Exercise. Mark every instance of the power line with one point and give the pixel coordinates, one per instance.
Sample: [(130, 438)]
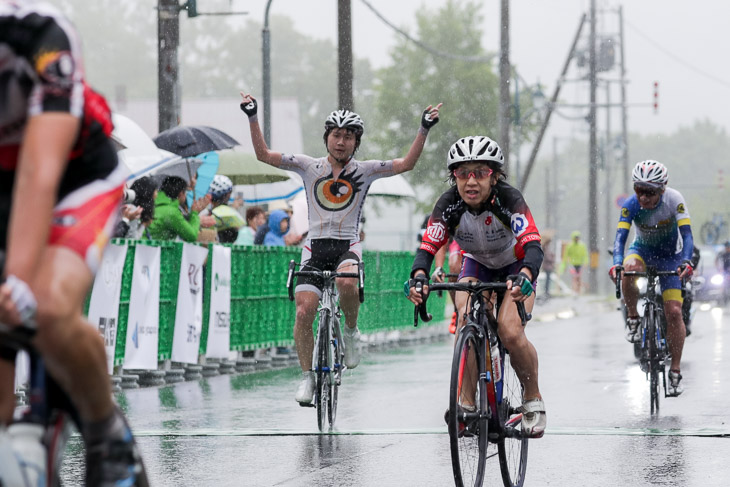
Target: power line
[(677, 58), (426, 47)]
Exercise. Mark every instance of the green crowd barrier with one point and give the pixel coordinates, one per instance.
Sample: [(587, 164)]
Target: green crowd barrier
[(261, 314)]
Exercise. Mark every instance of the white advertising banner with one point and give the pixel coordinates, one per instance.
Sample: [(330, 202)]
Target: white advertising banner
[(143, 327), (104, 305), (189, 311), (219, 323)]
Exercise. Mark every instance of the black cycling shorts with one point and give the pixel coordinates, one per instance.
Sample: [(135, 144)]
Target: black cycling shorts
[(325, 254)]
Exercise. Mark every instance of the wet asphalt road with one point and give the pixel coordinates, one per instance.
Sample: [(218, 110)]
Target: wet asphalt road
[(248, 430)]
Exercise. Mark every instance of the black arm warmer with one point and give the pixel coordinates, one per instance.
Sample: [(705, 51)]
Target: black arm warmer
[(423, 261), (533, 258)]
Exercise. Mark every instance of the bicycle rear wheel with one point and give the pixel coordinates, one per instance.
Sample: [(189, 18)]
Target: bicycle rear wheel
[(512, 448), (468, 430), (322, 392)]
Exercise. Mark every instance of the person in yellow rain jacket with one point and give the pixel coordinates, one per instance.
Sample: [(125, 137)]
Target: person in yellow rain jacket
[(575, 256)]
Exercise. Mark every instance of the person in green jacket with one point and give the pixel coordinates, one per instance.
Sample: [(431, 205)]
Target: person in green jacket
[(169, 222), (576, 256)]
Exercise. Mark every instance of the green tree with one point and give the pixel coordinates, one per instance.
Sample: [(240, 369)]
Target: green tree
[(469, 91)]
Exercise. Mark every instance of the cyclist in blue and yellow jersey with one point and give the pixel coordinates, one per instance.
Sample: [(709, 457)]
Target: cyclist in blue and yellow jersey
[(663, 240), (336, 186), (60, 193)]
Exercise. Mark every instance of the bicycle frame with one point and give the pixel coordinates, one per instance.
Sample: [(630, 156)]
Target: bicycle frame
[(328, 345), (653, 342)]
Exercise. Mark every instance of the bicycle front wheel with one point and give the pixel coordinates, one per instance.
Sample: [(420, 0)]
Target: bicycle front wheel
[(512, 448), (322, 393), (654, 359), (467, 414), (335, 345)]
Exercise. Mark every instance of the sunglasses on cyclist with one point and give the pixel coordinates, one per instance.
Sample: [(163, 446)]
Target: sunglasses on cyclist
[(643, 191), (478, 173)]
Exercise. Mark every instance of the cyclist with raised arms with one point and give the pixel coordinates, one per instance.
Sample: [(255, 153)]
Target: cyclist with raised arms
[(493, 225), (663, 240), (336, 186), (60, 194)]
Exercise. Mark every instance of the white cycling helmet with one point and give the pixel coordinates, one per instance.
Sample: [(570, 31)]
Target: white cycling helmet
[(650, 172), (221, 186), (475, 148), (345, 119)]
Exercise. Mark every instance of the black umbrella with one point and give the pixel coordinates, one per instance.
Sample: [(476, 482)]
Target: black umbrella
[(193, 140)]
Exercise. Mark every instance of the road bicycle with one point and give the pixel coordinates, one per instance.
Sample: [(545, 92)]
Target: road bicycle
[(494, 391), (652, 344), (329, 348), (32, 447), (714, 231)]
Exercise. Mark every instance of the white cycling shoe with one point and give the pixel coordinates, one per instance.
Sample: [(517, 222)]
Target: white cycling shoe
[(534, 418), (305, 391), (674, 388), (351, 337)]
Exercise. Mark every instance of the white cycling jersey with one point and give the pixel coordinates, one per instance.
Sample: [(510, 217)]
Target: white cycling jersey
[(335, 205)]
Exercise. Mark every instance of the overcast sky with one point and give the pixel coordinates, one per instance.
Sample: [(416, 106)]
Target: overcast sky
[(682, 45)]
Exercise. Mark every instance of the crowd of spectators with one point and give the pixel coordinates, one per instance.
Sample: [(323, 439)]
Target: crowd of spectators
[(158, 210)]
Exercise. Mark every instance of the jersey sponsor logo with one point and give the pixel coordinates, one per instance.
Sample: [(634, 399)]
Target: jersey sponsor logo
[(436, 232), (488, 221), (625, 212), (680, 208), (56, 66), (382, 164), (519, 224), (532, 237), (336, 195)]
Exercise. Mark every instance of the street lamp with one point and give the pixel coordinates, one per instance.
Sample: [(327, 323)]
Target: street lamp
[(539, 102), (266, 45)]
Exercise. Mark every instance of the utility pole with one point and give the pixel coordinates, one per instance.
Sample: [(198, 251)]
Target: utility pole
[(624, 109), (593, 164), (608, 168), (266, 48), (168, 40), (344, 51), (505, 73)]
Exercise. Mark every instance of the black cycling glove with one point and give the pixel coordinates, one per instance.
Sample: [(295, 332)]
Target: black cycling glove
[(426, 121), (250, 108)]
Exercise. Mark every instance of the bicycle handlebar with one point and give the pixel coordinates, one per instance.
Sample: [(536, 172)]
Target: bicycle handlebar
[(471, 287), (649, 272), (353, 275)]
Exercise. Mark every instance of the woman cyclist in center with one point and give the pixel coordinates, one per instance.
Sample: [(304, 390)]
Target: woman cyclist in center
[(491, 222)]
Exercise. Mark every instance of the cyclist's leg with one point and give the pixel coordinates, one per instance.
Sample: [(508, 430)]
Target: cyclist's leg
[(633, 262), (73, 349), (676, 332), (349, 297), (522, 353), (306, 302)]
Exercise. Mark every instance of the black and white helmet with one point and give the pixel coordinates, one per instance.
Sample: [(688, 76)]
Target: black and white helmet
[(220, 186), (475, 148), (345, 119), (651, 172)]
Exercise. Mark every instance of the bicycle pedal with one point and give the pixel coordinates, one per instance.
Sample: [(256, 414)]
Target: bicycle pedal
[(307, 405)]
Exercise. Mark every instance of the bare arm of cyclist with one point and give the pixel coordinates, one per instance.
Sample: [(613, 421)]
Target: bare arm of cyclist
[(429, 118), (44, 155), (263, 153)]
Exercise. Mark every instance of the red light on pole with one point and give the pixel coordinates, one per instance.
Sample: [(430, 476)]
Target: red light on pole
[(656, 97)]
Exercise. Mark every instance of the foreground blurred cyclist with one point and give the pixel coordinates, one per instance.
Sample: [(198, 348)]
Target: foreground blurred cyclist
[(60, 191), (492, 223), (336, 186), (662, 227)]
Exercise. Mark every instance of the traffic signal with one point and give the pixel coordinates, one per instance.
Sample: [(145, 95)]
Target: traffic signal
[(656, 97), (192, 8)]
